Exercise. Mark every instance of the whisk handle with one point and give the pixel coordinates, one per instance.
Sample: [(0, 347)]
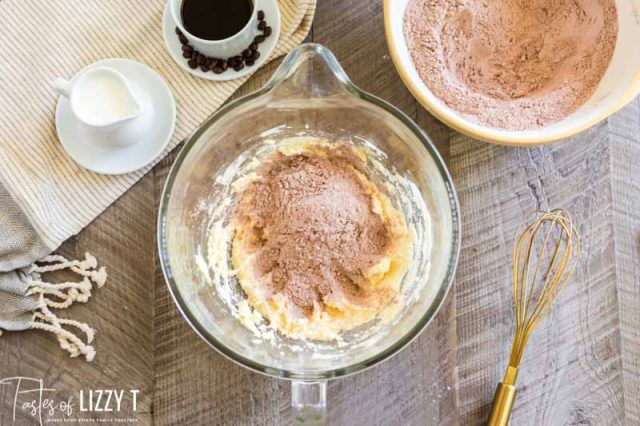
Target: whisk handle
[(502, 405)]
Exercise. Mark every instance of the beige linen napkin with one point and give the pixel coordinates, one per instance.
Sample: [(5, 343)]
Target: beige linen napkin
[(44, 196)]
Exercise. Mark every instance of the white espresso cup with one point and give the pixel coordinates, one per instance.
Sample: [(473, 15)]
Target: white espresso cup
[(225, 48)]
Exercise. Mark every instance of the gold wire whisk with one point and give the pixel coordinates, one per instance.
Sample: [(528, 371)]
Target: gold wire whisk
[(544, 258)]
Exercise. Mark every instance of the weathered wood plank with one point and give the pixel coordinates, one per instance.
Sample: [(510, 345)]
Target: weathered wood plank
[(572, 371), (624, 130)]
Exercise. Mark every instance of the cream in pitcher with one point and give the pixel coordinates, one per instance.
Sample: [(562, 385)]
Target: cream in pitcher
[(103, 102)]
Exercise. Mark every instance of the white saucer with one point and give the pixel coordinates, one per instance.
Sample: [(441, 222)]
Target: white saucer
[(153, 90), (272, 14)]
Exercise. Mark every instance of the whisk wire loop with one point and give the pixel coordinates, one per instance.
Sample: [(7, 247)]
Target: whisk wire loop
[(540, 276)]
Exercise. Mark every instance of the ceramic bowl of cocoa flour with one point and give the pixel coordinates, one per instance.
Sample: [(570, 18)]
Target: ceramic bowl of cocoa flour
[(517, 72)]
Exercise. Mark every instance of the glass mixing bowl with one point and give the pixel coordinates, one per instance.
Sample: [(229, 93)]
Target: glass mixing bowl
[(309, 94)]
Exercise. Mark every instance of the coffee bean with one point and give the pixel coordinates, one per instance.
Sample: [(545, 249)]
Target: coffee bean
[(194, 55), (187, 48), (224, 65), (262, 25), (253, 46), (255, 55), (259, 39), (183, 39), (178, 32), (186, 55), (260, 15), (200, 59), (249, 62), (192, 64), (209, 62), (246, 53), (238, 58), (239, 66), (267, 32), (218, 70)]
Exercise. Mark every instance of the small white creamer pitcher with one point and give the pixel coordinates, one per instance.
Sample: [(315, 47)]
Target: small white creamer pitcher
[(104, 105)]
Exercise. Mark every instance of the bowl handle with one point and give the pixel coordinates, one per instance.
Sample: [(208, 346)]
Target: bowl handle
[(309, 402)]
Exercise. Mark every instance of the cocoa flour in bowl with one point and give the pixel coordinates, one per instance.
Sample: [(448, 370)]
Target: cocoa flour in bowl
[(322, 231), (318, 248), (512, 64)]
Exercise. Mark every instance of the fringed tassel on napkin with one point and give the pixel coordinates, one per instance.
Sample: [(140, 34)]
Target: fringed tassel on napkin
[(61, 296)]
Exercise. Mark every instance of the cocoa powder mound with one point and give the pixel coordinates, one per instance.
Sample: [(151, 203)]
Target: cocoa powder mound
[(512, 64), (312, 227)]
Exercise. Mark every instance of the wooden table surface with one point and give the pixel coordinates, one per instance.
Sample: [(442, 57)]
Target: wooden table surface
[(582, 366)]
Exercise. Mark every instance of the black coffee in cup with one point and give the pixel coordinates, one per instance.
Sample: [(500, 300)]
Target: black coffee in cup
[(215, 19)]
